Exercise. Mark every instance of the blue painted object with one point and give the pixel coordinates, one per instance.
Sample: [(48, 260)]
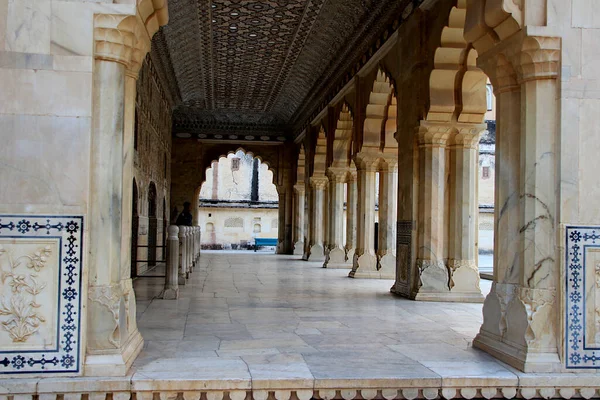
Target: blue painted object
[(260, 242)]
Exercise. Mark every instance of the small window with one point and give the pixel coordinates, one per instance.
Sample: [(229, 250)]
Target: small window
[(235, 164), (257, 228), (209, 215), (486, 172)]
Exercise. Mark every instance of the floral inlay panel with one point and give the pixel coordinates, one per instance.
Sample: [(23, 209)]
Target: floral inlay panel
[(582, 299), (40, 294)]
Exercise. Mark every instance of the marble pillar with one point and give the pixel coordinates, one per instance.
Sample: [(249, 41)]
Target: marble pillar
[(299, 194), (521, 318), (171, 290), (463, 209), (365, 260), (308, 217), (351, 205), (433, 274), (388, 206), (112, 341), (317, 249), (336, 257)]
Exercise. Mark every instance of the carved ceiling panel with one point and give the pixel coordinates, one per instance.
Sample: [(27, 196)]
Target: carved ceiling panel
[(260, 65)]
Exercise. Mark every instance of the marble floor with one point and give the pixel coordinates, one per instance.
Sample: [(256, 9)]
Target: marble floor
[(276, 321)]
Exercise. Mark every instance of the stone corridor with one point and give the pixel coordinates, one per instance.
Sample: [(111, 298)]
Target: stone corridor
[(279, 322)]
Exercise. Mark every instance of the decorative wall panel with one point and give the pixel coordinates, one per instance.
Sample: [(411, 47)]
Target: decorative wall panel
[(582, 300), (40, 294)]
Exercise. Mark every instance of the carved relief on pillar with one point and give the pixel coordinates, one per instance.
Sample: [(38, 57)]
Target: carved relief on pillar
[(40, 294)]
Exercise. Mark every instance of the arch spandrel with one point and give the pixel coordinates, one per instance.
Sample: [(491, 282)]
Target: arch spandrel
[(376, 111), (342, 140), (320, 159)]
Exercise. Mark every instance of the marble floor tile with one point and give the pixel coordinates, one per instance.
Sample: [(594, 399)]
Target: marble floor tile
[(276, 322)]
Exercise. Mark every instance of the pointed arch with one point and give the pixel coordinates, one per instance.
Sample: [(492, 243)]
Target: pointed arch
[(301, 168), (390, 144), (342, 140), (457, 87), (320, 160), (376, 111)]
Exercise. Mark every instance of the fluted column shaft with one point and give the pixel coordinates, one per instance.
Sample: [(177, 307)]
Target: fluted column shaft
[(365, 260), (317, 250), (432, 270), (463, 209), (351, 212), (388, 206), (336, 258), (182, 255), (299, 194)]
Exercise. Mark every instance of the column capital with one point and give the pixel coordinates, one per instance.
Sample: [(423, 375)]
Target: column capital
[(352, 175), (337, 175), (319, 182), (433, 134), (115, 37), (466, 136), (390, 163), (300, 188), (367, 161), (538, 58)]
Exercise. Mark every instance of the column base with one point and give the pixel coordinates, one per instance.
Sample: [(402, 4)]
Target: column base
[(170, 294), (365, 267), (387, 266), (450, 297), (464, 278), (401, 289), (117, 363), (337, 259), (182, 279), (316, 254), (299, 248), (517, 357)]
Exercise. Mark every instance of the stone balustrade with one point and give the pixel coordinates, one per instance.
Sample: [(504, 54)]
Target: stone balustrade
[(183, 254)]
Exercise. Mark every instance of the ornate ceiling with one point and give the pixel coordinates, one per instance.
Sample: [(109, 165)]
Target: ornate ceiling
[(257, 69)]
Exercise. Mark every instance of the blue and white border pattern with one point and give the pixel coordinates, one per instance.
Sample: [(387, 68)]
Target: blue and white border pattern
[(578, 240), (65, 358)]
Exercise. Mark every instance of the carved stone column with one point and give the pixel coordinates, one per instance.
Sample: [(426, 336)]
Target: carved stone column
[(365, 261), (308, 217), (336, 257), (521, 313), (171, 290), (351, 205), (299, 193), (182, 256), (463, 209), (317, 250), (388, 206), (433, 275), (113, 340)]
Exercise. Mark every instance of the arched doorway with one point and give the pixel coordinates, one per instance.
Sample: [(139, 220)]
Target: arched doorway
[(152, 225), (134, 229)]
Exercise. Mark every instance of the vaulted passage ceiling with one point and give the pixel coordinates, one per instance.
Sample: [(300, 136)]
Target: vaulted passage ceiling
[(257, 69)]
